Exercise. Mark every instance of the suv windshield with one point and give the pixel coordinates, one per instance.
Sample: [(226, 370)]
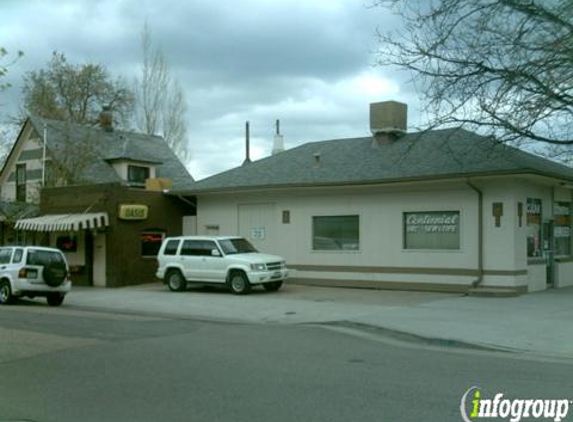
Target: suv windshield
[(235, 246), (39, 257)]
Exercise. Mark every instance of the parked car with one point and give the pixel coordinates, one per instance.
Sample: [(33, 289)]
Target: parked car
[(230, 261), (30, 271)]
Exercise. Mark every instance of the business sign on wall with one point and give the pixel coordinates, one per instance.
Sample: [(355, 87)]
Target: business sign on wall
[(133, 212), (433, 222), (432, 230), (257, 233)]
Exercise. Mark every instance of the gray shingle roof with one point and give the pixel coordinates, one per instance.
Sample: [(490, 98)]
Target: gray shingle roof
[(116, 145), (416, 156)]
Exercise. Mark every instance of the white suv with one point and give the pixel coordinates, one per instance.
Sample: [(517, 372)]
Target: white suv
[(29, 271), (218, 260)]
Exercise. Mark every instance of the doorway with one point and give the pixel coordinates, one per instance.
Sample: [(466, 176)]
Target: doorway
[(258, 224), (99, 262)]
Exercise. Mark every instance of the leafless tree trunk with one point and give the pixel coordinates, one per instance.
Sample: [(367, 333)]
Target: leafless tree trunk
[(174, 126), (160, 100)]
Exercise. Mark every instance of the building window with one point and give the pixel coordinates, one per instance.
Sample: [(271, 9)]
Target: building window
[(21, 182), (339, 232), (151, 242), (67, 243), (137, 174), (432, 230), (533, 227), (562, 229)]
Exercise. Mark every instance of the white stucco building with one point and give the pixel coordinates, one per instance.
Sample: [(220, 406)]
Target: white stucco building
[(443, 210)]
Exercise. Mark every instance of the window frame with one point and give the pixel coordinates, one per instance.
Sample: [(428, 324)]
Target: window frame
[(137, 168), (557, 225), (21, 181), (452, 212), (314, 218), (532, 220), (152, 233)]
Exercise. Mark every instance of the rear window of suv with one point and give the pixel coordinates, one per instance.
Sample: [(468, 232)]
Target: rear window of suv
[(39, 257), (234, 246), (171, 247), (5, 255)]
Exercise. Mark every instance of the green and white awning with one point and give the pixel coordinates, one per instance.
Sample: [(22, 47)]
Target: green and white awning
[(64, 222)]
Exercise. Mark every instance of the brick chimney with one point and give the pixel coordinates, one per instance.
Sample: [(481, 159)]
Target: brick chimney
[(106, 119), (388, 121)]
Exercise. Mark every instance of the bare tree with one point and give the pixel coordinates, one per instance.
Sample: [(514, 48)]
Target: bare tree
[(174, 126), (501, 67), (160, 101), (75, 93)]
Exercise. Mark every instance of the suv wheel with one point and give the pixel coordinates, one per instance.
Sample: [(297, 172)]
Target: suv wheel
[(273, 286), (55, 299), (175, 281), (6, 296), (239, 283)]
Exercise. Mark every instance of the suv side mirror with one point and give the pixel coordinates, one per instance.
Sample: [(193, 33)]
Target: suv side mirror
[(215, 252)]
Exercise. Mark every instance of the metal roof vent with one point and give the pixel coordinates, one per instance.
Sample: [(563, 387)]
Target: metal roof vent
[(316, 156)]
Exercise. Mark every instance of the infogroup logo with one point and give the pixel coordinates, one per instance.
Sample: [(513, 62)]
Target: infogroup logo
[(513, 409)]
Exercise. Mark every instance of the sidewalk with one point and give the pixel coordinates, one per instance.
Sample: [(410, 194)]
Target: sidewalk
[(538, 323)]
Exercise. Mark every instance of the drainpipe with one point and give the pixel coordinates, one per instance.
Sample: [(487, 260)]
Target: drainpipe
[(479, 279)]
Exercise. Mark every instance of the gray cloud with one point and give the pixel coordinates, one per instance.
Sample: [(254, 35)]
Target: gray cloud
[(307, 63)]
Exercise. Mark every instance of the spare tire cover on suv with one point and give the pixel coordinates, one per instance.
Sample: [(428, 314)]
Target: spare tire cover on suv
[(54, 274), (53, 263)]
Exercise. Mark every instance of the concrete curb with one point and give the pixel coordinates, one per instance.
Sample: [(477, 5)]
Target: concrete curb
[(419, 339)]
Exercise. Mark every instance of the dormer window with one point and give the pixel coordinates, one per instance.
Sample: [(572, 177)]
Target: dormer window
[(137, 175)]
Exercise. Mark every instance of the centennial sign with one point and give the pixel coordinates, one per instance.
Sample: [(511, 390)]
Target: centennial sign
[(133, 212), (432, 222)]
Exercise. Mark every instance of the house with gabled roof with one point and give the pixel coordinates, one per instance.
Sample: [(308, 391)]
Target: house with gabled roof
[(445, 210), (96, 193)]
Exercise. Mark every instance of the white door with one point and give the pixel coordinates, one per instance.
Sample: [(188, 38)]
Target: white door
[(215, 266), (258, 224), (99, 260)]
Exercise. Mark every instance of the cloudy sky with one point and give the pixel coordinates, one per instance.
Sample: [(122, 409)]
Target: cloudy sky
[(308, 63)]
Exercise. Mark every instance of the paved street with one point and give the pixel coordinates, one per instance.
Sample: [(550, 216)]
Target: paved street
[(536, 323), (68, 364)]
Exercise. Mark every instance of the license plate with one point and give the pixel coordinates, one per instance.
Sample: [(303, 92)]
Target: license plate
[(276, 274)]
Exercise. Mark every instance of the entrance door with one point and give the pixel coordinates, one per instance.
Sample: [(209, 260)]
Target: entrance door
[(99, 264), (258, 224), (549, 249)]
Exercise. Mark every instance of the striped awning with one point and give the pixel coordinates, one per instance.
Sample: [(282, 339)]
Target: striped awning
[(64, 222)]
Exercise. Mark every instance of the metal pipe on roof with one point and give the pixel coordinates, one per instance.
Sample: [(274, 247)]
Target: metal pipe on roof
[(247, 144)]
